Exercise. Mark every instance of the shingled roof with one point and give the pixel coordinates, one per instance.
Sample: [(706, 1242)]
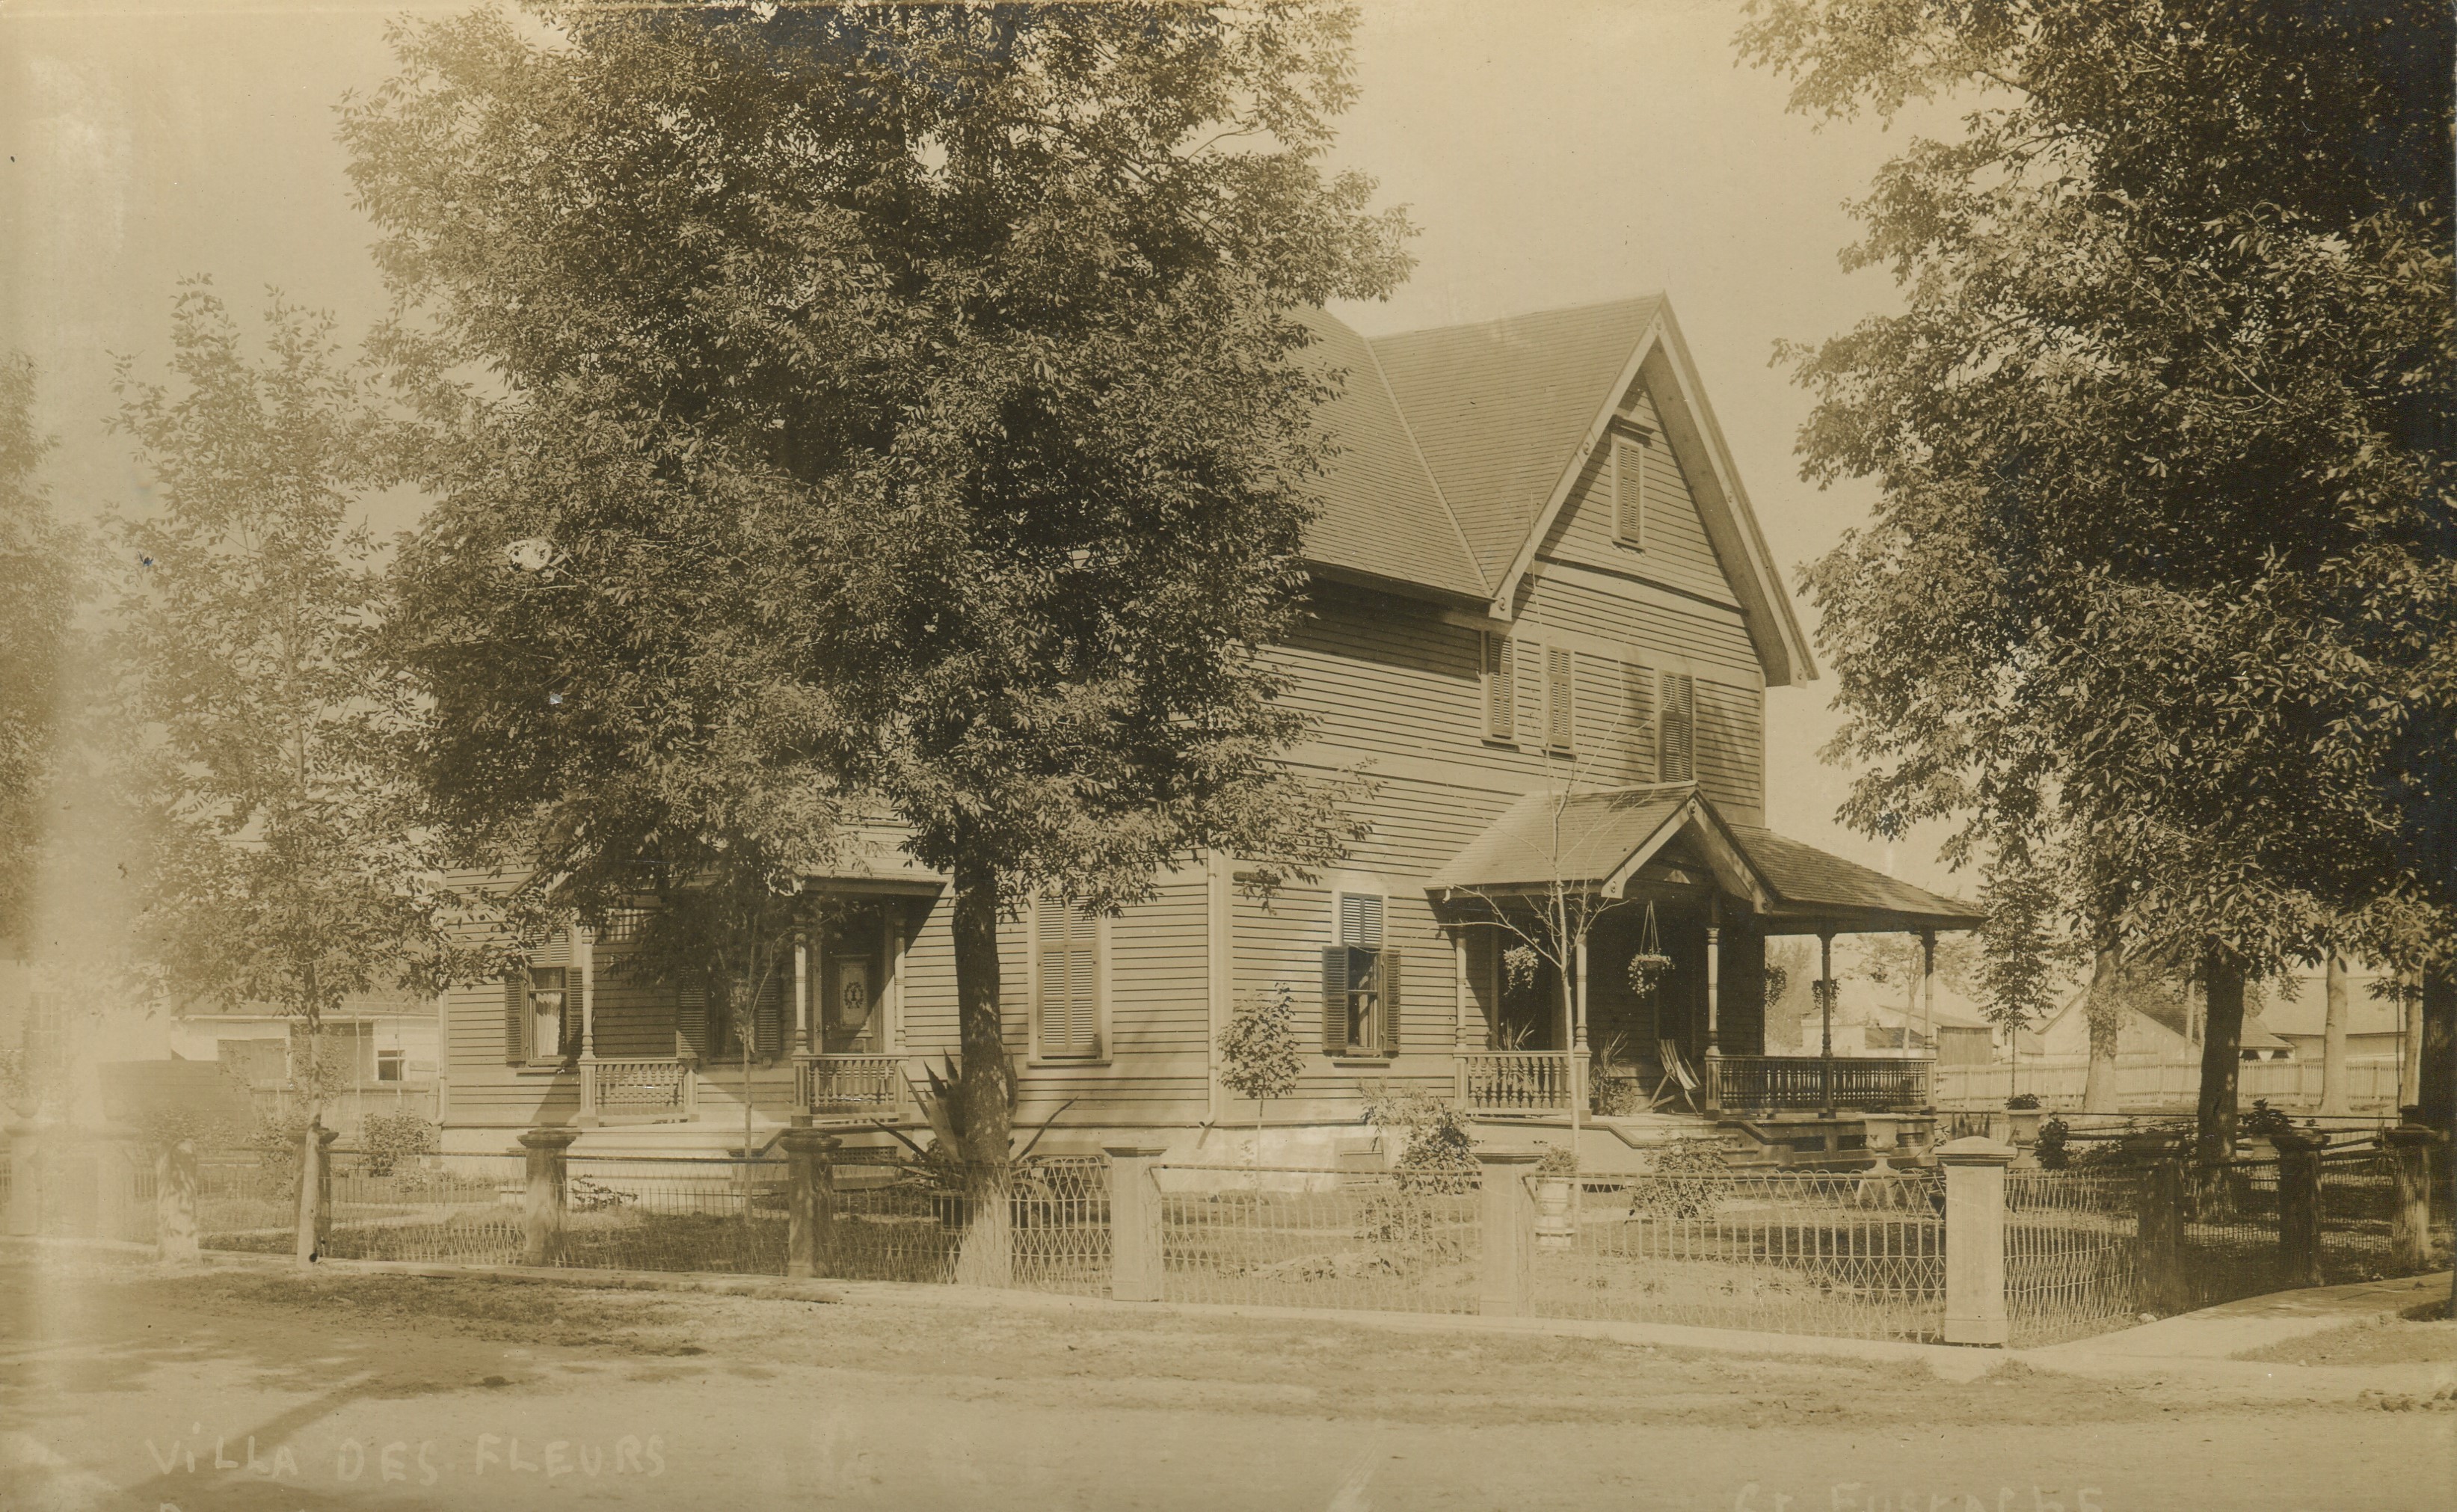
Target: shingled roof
[(1455, 444), (1601, 839)]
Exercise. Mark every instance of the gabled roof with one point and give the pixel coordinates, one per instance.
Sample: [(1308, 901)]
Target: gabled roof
[(1601, 841), (1459, 446)]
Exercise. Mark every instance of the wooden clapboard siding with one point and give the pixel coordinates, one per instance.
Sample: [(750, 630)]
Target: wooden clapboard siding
[(1158, 1002), (1711, 637), (1731, 748), (1675, 553)]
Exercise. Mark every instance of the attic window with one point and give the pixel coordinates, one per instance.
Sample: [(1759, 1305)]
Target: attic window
[(1629, 491)]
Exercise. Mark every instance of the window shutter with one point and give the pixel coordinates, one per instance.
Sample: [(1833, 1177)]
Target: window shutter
[(1389, 973), (1638, 712), (1560, 700), (1067, 1006), (567, 1018), (768, 1018), (1629, 491), (1676, 737), (516, 1018), (691, 1021), (1334, 1000), (1360, 920), (1501, 698)]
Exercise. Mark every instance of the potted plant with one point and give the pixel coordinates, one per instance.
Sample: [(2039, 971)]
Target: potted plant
[(1649, 965), (1554, 1172), (2266, 1131), (2022, 1117)]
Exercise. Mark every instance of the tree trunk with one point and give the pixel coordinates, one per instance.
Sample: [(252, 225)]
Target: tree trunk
[(2103, 1013), (987, 1257), (2333, 1040), (2221, 1053), (2436, 1065)]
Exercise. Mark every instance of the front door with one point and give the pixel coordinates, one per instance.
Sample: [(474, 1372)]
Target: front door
[(851, 1007)]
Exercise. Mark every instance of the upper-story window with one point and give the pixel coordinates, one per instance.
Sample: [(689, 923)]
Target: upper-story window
[(1676, 727), (1560, 701), (1629, 491), (1500, 689), (1360, 982)]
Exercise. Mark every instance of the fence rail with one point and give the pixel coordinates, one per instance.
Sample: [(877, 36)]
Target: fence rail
[(1318, 1238), (2153, 1086), (1806, 1252), (1514, 1080)]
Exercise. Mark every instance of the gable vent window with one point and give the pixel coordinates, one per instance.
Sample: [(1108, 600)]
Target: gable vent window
[(1500, 690), (1675, 728), (1629, 491), (1560, 701), (1360, 984)]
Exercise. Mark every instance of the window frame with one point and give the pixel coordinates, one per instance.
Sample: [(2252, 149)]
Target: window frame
[(1103, 1050), (1371, 957), (530, 1058)]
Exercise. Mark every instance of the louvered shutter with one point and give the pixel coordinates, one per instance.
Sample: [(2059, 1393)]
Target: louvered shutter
[(1629, 491), (1500, 696), (1676, 741), (567, 1018), (1069, 1007), (691, 1021), (1360, 920), (1390, 986), (516, 1018), (768, 1018), (1560, 699), (1334, 1000)]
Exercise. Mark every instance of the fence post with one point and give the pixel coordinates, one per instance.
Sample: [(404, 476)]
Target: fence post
[(2409, 1224), (324, 1138), (2158, 1226), (1508, 1214), (175, 1202), (810, 1197), (2299, 1208), (1974, 1241), (550, 1172), (1135, 1263)]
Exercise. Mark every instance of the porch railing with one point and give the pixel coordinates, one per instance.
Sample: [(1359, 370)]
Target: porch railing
[(657, 1086), (850, 1084), (1811, 1082), (1514, 1080)]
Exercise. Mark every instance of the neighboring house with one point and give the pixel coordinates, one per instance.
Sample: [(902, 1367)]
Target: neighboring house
[(2296, 1011), (1543, 612), (380, 1050)]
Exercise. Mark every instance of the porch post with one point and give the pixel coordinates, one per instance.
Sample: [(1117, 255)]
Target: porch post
[(1714, 986), (1927, 987), (584, 956), (1579, 1048), (1466, 999), (1826, 1021), (801, 992)]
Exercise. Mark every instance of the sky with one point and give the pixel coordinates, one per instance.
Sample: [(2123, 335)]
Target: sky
[(1551, 152)]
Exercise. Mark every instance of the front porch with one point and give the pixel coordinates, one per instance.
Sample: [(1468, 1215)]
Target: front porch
[(1519, 1082)]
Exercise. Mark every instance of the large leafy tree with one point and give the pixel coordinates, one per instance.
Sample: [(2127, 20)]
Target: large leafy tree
[(2158, 597), (994, 309), (40, 579), (286, 864)]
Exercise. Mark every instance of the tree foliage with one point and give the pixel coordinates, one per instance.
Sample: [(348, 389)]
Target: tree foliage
[(947, 360), (2157, 598), (287, 867), (42, 570)]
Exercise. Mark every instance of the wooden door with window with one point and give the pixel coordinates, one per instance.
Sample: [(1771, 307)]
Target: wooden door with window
[(849, 1008)]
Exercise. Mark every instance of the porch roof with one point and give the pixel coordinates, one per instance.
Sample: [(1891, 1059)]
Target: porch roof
[(1600, 840)]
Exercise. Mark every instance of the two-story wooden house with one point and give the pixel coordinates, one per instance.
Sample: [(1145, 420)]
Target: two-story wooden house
[(1544, 616)]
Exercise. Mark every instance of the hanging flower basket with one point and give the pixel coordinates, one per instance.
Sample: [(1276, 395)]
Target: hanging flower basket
[(1646, 969), (1650, 965)]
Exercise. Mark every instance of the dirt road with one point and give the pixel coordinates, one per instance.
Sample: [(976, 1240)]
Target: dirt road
[(119, 1389)]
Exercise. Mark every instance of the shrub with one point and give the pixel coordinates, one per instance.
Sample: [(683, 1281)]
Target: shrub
[(2054, 1152), (1558, 1160), (2022, 1103), (390, 1138), (1679, 1182)]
